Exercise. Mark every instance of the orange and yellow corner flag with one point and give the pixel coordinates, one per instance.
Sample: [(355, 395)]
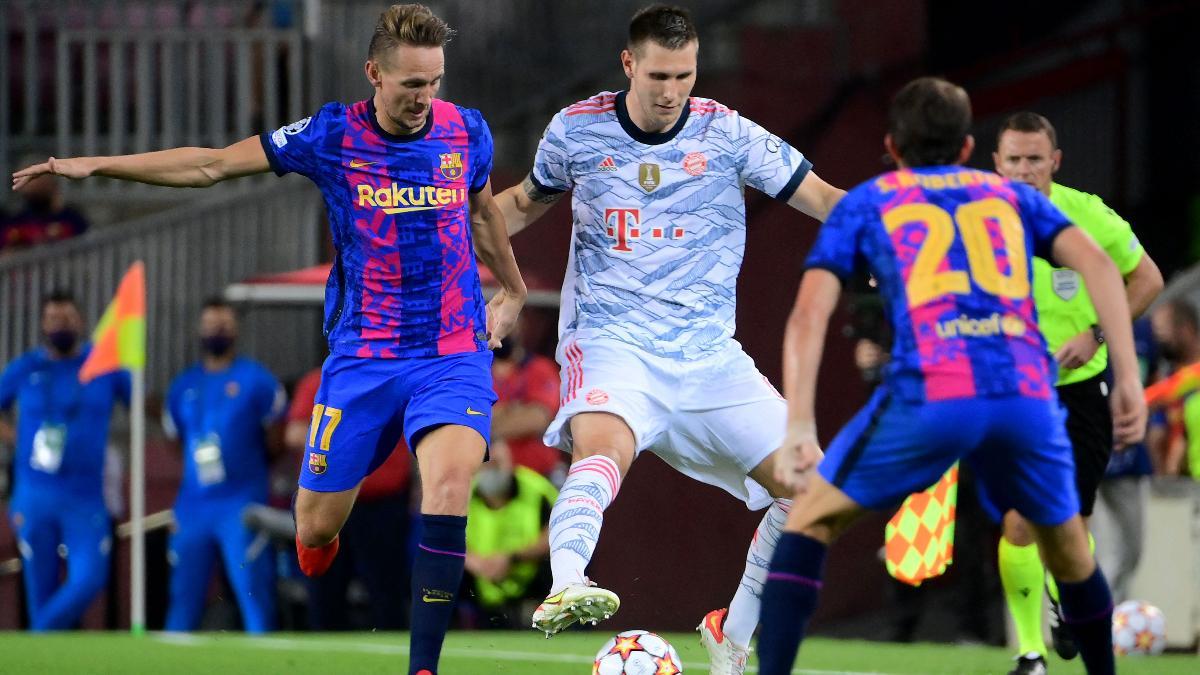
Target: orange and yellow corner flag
[(919, 539), (120, 338)]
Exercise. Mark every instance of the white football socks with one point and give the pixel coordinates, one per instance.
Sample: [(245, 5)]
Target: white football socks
[(744, 608), (578, 515)]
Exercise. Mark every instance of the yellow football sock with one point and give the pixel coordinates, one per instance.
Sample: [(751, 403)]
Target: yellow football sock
[(1023, 576), (1052, 587)]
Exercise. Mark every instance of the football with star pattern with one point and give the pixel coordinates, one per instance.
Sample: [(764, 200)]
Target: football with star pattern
[(637, 652)]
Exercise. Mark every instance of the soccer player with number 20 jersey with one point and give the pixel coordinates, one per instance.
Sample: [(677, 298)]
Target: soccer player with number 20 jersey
[(951, 250)]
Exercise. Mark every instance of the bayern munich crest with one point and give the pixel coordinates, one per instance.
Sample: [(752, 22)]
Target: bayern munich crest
[(695, 163)]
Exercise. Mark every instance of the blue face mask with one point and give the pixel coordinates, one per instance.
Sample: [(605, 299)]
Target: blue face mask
[(63, 341), (217, 344)]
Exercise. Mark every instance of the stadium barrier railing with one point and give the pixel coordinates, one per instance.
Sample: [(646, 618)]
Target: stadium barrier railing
[(191, 252)]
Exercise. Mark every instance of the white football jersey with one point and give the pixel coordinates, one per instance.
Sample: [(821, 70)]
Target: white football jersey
[(659, 219)]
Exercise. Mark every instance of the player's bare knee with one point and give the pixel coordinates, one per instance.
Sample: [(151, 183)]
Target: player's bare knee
[(824, 528), (620, 456), (315, 531), (1069, 565), (1017, 530), (603, 434), (1065, 550), (447, 494)]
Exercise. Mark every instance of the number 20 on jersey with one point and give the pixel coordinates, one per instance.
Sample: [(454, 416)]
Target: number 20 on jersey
[(928, 280)]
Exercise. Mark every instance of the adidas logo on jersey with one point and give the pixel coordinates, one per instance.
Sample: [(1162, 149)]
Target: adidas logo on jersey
[(607, 165)]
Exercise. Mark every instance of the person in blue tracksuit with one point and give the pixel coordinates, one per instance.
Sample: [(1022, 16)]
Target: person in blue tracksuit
[(221, 410), (60, 435)]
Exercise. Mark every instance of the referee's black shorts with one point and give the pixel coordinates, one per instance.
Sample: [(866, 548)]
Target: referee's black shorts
[(1089, 425)]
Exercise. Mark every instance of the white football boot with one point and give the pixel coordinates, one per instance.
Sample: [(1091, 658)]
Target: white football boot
[(725, 657), (585, 603)]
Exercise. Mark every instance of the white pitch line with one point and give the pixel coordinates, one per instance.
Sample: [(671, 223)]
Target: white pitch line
[(287, 644)]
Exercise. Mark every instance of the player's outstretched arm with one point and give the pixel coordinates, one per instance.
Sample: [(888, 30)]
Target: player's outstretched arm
[(815, 197), (1075, 249), (494, 249), (524, 203), (178, 167), (803, 344)]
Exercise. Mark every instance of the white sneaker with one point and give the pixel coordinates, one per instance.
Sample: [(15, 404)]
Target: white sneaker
[(585, 603), (725, 657)]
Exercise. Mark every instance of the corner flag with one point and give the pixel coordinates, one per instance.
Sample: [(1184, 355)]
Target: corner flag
[(919, 539), (119, 342)]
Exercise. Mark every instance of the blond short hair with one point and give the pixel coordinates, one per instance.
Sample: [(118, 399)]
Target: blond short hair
[(413, 25)]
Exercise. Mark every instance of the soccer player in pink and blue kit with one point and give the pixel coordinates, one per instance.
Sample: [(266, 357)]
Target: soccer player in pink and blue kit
[(970, 376), (405, 178)]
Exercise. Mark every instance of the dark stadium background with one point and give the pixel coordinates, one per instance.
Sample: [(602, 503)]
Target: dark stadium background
[(1119, 78)]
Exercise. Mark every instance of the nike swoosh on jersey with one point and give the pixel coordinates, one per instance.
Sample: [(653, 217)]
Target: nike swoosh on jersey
[(432, 598), (358, 163), (474, 412)]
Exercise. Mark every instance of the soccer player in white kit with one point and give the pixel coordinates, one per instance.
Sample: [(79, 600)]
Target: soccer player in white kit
[(646, 329)]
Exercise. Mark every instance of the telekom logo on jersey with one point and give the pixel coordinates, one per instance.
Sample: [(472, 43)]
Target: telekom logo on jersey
[(625, 224)]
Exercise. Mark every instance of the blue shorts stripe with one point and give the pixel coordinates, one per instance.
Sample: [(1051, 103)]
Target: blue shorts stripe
[(860, 444)]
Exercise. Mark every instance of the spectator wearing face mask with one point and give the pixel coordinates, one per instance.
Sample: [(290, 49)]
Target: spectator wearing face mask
[(44, 217), (223, 412), (60, 435), (507, 539)]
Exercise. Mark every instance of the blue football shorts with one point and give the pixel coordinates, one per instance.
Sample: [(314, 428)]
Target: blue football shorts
[(1017, 448), (364, 405)]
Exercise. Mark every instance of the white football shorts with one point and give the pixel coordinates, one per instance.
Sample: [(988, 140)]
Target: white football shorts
[(713, 419)]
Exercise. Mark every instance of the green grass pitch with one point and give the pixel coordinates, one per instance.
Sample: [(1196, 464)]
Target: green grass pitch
[(476, 653)]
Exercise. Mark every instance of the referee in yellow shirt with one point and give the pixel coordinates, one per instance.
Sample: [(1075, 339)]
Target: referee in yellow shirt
[(1027, 151)]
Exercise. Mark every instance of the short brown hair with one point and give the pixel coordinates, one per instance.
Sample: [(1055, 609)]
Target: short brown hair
[(59, 296), (667, 26), (929, 120), (413, 25), (1029, 123)]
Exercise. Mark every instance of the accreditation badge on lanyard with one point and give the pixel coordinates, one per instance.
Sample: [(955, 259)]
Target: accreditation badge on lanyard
[(210, 469), (48, 445)]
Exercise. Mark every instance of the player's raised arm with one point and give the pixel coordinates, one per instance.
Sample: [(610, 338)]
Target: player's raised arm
[(493, 248), (524, 203), (1075, 249), (814, 197), (178, 167)]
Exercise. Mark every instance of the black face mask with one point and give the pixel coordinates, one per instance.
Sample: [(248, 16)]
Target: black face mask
[(63, 341), (216, 345)]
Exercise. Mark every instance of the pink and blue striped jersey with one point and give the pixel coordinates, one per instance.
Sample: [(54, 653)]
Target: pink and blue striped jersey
[(404, 282), (950, 249)]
